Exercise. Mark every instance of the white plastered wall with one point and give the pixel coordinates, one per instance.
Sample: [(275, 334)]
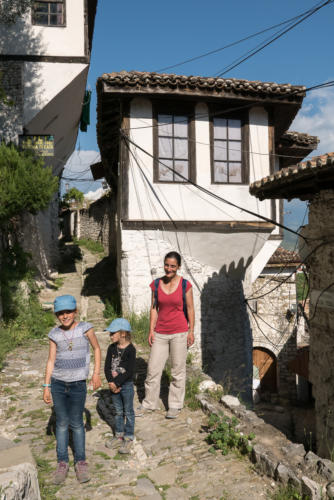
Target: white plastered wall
[(185, 202), (25, 38)]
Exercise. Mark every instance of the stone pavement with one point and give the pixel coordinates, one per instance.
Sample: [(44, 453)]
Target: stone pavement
[(170, 458)]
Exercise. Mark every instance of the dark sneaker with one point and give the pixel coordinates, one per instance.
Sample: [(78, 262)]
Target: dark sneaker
[(114, 442), (173, 413), (126, 446), (61, 473), (81, 470)]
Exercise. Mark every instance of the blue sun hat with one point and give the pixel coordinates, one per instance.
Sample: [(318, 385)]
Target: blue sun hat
[(119, 324), (65, 303)]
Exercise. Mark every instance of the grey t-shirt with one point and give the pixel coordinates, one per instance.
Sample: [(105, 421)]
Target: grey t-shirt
[(73, 354)]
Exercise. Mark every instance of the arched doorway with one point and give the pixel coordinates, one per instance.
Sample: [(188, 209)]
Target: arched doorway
[(266, 364)]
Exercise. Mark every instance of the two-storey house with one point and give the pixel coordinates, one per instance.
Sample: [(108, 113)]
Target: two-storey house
[(44, 62), (177, 150)]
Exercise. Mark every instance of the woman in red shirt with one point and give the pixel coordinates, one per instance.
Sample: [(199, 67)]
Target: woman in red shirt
[(170, 335)]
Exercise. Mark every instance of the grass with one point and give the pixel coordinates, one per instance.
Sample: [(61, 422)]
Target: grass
[(192, 389), (214, 395), (102, 454), (44, 469), (58, 282), (287, 493), (91, 245), (140, 323)]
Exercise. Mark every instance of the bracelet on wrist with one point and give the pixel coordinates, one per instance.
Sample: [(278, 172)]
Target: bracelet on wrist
[(46, 385)]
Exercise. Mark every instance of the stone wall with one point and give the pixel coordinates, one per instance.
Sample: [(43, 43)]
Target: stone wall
[(95, 223), (274, 328), (222, 330), (321, 268), (11, 116)]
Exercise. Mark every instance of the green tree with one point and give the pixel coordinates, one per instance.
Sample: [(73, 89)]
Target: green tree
[(11, 10), (73, 194), (26, 185)]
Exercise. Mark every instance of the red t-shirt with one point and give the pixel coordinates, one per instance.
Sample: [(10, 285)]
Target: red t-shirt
[(171, 318)]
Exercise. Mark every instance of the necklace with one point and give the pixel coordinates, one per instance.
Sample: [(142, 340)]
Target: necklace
[(69, 341)]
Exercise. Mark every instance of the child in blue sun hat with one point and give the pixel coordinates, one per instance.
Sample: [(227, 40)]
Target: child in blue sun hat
[(119, 369), (65, 385)]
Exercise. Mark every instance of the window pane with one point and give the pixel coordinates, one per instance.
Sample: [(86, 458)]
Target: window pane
[(56, 8), (165, 147), (180, 126), (234, 151), (219, 125), (235, 172), (166, 174), (220, 152), (41, 7), (165, 125), (181, 148), (55, 20), (234, 129), (220, 172), (181, 167), (41, 19)]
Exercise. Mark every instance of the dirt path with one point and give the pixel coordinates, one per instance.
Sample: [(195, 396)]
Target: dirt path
[(170, 459)]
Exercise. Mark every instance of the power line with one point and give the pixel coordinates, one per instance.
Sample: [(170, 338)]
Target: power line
[(232, 44), (279, 35)]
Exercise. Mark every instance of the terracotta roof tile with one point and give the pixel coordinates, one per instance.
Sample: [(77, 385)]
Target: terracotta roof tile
[(132, 80), (283, 256), (317, 166), (300, 138)]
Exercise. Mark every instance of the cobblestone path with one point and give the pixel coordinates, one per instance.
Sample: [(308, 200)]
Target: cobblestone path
[(170, 458)]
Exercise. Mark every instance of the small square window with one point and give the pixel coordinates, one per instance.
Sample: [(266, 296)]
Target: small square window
[(46, 13)]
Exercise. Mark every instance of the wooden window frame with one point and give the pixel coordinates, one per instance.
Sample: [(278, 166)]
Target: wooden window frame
[(181, 109), (63, 2), (244, 118)]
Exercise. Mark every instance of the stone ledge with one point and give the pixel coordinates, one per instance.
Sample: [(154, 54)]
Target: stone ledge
[(19, 482), (274, 455)]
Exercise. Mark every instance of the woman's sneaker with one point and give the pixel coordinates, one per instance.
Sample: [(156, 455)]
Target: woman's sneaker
[(81, 470), (126, 446), (61, 473), (141, 411), (173, 413), (114, 442)]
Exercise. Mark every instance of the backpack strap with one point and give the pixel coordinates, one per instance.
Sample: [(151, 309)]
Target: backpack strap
[(156, 286), (184, 288)]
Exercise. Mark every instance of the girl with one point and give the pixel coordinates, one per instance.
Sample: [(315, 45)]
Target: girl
[(119, 370), (67, 369), (172, 319)]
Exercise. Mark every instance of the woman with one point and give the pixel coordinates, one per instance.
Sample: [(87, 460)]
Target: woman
[(172, 320)]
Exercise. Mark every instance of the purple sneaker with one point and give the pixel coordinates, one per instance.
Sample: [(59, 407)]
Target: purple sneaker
[(61, 473), (81, 470)]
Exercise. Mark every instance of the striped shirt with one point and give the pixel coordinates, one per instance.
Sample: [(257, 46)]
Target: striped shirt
[(73, 353)]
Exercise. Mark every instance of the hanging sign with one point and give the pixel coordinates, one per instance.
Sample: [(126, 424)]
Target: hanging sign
[(42, 145)]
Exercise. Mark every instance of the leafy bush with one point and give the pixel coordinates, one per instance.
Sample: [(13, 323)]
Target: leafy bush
[(225, 436), (73, 195), (302, 287), (26, 184)]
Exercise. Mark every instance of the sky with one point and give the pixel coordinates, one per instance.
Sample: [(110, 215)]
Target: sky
[(150, 35)]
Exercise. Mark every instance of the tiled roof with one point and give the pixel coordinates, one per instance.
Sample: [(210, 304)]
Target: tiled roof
[(300, 138), (308, 176), (283, 256), (132, 80)]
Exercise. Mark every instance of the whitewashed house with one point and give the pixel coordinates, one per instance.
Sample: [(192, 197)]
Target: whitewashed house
[(44, 62), (221, 134)]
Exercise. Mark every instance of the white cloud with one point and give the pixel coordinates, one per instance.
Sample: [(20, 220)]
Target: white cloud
[(95, 195), (77, 171), (317, 118)]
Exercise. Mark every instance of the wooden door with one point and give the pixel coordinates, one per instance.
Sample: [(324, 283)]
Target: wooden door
[(266, 363)]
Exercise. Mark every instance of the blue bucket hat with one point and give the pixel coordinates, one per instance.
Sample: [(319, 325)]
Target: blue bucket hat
[(65, 303), (119, 324)]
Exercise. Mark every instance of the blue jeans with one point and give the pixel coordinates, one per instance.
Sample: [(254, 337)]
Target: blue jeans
[(125, 415), (69, 404)]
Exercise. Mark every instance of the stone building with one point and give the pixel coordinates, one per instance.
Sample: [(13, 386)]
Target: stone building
[(275, 323), (314, 181), (44, 62), (184, 140)]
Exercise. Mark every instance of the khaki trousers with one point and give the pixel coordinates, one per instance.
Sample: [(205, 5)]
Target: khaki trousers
[(174, 346)]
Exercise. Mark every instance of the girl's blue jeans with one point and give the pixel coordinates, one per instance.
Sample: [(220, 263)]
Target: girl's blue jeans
[(69, 404), (125, 415)]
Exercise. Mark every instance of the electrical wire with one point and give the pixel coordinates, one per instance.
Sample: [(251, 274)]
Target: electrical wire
[(232, 44)]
